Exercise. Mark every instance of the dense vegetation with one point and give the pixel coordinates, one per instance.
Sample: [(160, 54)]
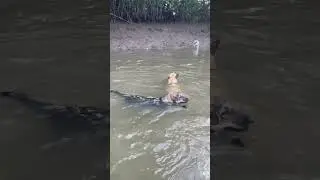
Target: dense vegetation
[(160, 10)]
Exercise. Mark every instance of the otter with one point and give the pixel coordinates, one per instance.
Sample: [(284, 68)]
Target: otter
[(173, 88)]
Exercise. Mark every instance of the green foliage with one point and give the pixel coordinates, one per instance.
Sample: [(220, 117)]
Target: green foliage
[(161, 10)]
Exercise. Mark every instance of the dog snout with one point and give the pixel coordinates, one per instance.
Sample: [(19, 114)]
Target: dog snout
[(186, 99)]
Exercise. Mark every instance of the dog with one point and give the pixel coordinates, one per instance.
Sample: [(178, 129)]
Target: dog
[(174, 92)]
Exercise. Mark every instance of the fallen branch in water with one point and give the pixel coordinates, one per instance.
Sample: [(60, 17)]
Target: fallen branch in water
[(120, 18)]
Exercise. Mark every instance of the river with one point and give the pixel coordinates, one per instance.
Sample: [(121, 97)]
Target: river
[(269, 63)]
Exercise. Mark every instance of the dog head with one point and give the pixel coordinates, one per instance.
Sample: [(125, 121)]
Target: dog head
[(173, 78)]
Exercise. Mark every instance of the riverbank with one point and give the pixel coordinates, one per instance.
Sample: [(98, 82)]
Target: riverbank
[(124, 37)]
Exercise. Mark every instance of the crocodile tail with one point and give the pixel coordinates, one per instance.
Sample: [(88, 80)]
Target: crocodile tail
[(117, 92), (13, 94), (6, 93)]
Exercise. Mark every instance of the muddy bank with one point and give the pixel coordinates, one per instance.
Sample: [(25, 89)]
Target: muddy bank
[(125, 37)]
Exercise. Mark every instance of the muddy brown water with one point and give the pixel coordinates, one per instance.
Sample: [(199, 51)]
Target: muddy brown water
[(269, 62), (55, 53), (160, 143)]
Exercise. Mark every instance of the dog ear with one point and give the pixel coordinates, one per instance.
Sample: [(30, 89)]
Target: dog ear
[(177, 75)]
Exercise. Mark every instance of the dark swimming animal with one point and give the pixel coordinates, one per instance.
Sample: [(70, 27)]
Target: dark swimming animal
[(67, 115), (214, 46), (179, 100)]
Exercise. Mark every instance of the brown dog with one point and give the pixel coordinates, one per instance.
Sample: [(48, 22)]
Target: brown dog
[(175, 94)]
